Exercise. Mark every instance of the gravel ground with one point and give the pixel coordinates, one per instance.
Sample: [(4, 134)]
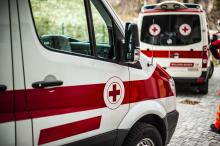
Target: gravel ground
[(193, 127)]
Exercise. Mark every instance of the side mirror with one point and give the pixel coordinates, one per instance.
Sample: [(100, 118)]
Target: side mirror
[(132, 44)]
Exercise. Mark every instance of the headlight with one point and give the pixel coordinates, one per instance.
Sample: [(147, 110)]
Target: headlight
[(172, 86)]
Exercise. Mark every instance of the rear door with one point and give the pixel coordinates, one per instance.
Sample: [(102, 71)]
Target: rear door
[(7, 118), (187, 55), (175, 42), (75, 87)]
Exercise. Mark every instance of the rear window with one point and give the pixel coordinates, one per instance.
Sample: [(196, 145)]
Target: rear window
[(171, 30)]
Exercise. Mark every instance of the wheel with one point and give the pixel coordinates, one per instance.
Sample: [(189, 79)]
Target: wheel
[(204, 88), (143, 135), (211, 70)]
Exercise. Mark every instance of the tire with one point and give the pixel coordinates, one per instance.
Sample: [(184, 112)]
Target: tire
[(143, 133), (204, 88), (211, 70)]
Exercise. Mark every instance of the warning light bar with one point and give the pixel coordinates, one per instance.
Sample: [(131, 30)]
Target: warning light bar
[(171, 5)]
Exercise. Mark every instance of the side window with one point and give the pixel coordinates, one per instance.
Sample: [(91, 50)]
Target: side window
[(62, 25), (103, 31)]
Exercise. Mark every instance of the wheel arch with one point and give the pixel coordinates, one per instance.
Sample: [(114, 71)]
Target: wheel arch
[(150, 112), (157, 122)]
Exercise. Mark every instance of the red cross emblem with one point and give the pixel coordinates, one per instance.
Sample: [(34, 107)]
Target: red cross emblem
[(114, 93), (185, 29), (154, 29)]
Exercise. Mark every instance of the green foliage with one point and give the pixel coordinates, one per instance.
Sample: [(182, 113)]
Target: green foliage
[(66, 17)]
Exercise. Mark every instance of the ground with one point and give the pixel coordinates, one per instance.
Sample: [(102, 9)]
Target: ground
[(193, 127)]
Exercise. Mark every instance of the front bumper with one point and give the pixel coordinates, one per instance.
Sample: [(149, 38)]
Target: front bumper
[(171, 121)]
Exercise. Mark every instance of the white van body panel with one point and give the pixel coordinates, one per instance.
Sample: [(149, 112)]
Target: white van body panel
[(8, 136), (24, 135), (138, 110), (7, 129)]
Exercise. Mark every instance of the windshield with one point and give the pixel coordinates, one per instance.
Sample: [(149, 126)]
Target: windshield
[(171, 30)]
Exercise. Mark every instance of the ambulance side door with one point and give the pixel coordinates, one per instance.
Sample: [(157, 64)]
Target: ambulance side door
[(75, 87)]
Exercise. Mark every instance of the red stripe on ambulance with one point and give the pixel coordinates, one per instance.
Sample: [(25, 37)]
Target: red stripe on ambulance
[(63, 100), (67, 130), (172, 54)]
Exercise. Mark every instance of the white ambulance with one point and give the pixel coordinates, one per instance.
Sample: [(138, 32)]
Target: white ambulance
[(72, 75), (175, 35)]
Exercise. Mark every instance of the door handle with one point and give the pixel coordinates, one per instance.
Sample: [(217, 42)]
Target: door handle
[(49, 81), (46, 84), (3, 88)]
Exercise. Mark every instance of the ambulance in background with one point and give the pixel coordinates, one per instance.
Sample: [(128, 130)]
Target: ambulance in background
[(78, 78), (175, 35)]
